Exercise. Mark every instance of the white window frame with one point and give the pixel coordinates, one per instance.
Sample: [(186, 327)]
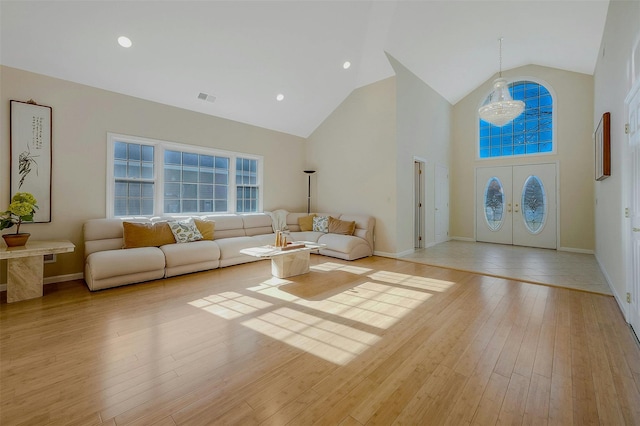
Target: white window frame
[(554, 124), (160, 147)]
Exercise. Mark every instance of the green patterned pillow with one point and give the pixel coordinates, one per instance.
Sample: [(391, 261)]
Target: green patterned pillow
[(185, 231), (321, 224)]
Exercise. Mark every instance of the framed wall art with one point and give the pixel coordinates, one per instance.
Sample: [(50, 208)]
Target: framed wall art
[(602, 137), (30, 152)]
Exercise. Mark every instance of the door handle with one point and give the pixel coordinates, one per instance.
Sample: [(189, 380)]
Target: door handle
[(516, 210)]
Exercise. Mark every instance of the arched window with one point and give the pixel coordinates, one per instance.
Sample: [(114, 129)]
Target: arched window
[(529, 133)]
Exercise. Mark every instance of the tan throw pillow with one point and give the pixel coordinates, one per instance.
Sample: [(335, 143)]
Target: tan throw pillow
[(206, 228), (146, 234), (337, 226), (306, 222)]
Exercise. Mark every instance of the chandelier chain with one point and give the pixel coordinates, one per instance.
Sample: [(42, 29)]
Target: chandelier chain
[(500, 40)]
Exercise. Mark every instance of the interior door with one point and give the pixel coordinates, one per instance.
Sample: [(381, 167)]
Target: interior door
[(517, 205), (442, 204), (633, 102)]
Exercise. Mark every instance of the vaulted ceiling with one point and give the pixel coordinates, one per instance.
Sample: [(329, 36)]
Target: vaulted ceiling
[(245, 53)]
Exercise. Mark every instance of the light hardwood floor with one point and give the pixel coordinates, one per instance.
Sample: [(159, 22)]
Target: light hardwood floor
[(375, 341)]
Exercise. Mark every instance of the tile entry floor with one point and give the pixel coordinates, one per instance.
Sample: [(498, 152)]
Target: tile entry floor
[(558, 268)]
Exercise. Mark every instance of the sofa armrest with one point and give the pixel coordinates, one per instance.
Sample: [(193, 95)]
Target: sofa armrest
[(365, 226)]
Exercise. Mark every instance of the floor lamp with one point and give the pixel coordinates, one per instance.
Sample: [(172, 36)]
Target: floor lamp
[(309, 172)]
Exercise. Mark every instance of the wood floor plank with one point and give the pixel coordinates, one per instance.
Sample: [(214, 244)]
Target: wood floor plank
[(491, 401), (561, 400), (373, 341), (538, 398), (608, 402), (515, 399), (473, 392), (622, 372), (285, 414), (584, 396)]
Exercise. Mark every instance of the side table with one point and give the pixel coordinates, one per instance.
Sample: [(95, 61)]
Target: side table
[(25, 267)]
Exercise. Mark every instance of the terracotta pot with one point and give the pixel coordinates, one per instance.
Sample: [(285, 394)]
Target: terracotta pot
[(16, 240)]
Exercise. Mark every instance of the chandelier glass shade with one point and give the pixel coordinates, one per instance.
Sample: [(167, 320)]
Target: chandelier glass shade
[(500, 108)]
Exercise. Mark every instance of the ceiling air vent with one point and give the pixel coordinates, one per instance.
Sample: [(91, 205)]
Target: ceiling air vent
[(205, 97)]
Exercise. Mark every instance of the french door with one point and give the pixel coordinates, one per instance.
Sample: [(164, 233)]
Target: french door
[(517, 205)]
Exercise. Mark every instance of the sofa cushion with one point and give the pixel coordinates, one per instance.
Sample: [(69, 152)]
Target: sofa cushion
[(228, 226), (257, 224), (206, 227), (102, 229), (113, 263), (341, 243), (264, 240), (185, 231), (230, 247), (230, 250), (337, 226), (194, 252), (321, 224), (146, 234), (306, 223), (308, 236)]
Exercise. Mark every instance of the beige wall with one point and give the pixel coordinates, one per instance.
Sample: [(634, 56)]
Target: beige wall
[(364, 153), (574, 119), (354, 153), (83, 115), (423, 131), (617, 70)]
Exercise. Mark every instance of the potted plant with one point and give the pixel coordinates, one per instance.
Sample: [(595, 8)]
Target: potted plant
[(22, 208)]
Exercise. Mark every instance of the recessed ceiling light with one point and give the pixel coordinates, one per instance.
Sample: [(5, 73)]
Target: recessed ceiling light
[(124, 41), (346, 65), (280, 97)]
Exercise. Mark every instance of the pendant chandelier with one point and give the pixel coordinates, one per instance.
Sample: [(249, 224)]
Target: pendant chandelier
[(500, 108)]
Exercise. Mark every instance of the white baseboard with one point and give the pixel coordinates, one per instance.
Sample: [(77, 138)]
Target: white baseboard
[(470, 240), (54, 279), (621, 300), (576, 250)]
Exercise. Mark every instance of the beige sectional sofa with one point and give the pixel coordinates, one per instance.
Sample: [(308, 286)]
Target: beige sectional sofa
[(108, 264)]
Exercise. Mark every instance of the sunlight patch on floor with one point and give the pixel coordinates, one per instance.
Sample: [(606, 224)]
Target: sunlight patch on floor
[(230, 305), (337, 327), (323, 338)]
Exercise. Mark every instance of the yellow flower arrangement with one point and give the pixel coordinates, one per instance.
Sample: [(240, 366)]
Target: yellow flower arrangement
[(22, 208)]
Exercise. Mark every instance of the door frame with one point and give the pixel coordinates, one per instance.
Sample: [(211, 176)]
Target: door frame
[(438, 191), (423, 195), (627, 185), (515, 164)]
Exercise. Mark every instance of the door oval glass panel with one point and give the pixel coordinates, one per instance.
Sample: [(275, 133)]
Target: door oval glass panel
[(494, 204), (534, 204)]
